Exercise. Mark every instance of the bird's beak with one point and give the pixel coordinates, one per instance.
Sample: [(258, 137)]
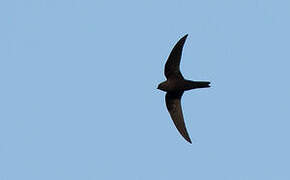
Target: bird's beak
[(158, 87)]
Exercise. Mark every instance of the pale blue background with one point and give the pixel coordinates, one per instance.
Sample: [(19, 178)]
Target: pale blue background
[(78, 97)]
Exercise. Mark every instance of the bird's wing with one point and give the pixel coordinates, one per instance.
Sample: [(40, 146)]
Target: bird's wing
[(172, 70), (173, 104)]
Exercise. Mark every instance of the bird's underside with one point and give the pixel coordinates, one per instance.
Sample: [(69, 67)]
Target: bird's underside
[(175, 87)]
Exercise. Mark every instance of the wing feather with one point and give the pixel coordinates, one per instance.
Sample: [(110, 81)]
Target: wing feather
[(172, 70), (173, 104)]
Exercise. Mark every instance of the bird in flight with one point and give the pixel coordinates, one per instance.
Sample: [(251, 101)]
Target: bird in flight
[(175, 85)]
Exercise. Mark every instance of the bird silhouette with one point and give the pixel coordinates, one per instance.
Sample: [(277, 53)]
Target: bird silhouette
[(175, 85)]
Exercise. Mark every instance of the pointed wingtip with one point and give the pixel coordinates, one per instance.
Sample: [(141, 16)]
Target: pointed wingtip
[(185, 36), (179, 44), (182, 40), (188, 139)]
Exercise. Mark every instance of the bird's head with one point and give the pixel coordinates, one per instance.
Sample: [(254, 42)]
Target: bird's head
[(162, 86)]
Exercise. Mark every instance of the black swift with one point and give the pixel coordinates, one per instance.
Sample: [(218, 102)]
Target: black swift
[(175, 85)]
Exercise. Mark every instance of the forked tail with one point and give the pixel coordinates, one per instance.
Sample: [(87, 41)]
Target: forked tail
[(202, 84), (195, 84)]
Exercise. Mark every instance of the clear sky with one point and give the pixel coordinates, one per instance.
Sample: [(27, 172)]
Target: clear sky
[(78, 97)]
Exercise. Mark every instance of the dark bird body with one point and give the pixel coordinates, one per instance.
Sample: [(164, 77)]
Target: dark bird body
[(175, 85)]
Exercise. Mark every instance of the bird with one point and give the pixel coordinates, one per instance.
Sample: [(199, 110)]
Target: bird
[(175, 85)]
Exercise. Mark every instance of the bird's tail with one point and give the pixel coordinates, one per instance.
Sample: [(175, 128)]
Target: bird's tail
[(202, 84), (188, 85)]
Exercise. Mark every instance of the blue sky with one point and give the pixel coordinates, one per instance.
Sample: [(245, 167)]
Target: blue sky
[(78, 97)]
